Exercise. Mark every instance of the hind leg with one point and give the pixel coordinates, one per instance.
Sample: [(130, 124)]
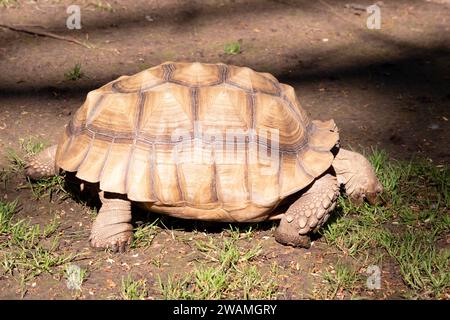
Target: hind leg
[(308, 213), (112, 228)]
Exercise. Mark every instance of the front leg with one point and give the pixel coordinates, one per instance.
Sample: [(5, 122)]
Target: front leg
[(43, 164), (112, 228), (309, 212)]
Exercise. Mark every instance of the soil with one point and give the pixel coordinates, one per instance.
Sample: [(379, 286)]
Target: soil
[(386, 89)]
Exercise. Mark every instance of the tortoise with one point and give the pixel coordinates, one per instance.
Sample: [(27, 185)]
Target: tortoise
[(204, 141)]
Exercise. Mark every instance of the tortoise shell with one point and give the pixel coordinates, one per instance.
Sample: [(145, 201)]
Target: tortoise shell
[(164, 137)]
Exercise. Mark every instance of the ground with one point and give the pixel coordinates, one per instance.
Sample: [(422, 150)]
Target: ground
[(387, 90)]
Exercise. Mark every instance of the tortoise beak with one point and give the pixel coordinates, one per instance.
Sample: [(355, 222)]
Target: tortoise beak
[(375, 198)]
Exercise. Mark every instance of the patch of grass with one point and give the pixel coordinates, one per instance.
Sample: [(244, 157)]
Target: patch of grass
[(30, 262), (26, 249), (7, 209), (435, 179), (174, 287), (341, 278), (209, 283), (51, 227), (417, 180), (232, 48), (5, 177), (230, 276), (423, 267), (228, 254), (47, 187), (236, 233), (103, 5), (31, 146), (250, 283), (408, 227), (134, 289), (217, 283), (356, 228), (74, 73), (28, 148), (144, 234), (7, 3), (388, 173), (17, 163), (75, 276)]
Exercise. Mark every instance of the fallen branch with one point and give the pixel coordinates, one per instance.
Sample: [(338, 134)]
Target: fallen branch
[(44, 34)]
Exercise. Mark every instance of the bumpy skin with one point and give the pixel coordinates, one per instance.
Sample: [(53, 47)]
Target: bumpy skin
[(42, 165), (356, 173), (112, 228), (309, 212)]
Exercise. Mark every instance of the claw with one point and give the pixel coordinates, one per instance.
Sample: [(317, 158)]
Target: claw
[(115, 245)]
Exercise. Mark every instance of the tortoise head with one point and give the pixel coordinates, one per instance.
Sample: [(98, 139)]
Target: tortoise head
[(356, 173), (372, 189)]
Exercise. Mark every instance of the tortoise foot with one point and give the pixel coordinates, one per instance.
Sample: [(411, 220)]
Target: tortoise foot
[(308, 213), (112, 228), (288, 235), (120, 242)]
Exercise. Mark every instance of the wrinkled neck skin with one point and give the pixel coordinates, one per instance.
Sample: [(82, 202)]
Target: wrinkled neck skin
[(356, 173)]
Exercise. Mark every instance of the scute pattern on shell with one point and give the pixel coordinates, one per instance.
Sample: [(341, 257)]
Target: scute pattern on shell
[(131, 134)]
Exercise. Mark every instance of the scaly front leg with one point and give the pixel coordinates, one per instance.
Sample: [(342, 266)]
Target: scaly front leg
[(309, 212), (43, 164)]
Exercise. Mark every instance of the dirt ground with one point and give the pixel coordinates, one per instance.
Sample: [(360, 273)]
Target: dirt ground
[(387, 88)]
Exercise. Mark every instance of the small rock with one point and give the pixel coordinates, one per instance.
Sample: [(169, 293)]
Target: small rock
[(433, 126), (110, 283)]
